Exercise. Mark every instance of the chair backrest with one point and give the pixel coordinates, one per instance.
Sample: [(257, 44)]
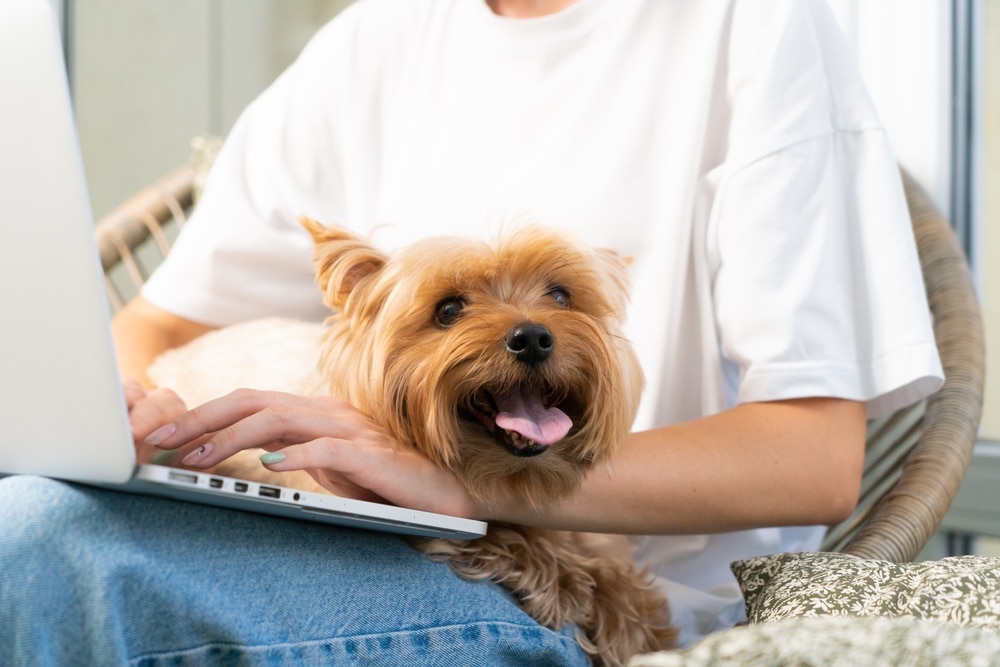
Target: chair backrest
[(917, 457), (137, 234)]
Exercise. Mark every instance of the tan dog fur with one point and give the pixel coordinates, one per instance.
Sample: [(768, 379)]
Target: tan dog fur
[(420, 341)]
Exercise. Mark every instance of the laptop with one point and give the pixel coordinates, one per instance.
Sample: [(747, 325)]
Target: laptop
[(62, 408)]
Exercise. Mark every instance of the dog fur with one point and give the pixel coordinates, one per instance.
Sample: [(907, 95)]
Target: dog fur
[(440, 341)]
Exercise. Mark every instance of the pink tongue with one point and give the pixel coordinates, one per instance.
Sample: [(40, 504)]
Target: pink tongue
[(522, 411)]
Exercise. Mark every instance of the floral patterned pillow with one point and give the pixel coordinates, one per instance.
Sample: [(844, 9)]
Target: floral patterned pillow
[(837, 641), (963, 590), (832, 609)]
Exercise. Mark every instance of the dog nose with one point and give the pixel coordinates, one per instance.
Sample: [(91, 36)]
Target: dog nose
[(530, 343)]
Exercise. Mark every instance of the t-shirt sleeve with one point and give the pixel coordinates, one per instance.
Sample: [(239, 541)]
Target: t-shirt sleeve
[(819, 290), (816, 285)]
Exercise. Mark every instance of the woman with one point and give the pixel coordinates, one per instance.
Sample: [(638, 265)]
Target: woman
[(728, 147)]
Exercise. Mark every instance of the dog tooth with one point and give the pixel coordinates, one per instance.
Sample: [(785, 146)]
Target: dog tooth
[(519, 440)]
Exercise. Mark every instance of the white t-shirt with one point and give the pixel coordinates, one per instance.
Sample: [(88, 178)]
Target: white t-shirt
[(727, 146)]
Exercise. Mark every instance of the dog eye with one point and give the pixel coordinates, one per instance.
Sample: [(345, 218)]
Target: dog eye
[(448, 311), (559, 295)]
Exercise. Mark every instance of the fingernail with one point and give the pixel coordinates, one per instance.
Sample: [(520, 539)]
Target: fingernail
[(198, 454), (160, 435), (162, 456), (272, 457)]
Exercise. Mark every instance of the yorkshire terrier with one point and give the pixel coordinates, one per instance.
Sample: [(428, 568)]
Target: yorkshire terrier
[(505, 364)]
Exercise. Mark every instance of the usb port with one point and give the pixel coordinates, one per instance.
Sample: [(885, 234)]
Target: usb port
[(215, 483), (270, 492), (241, 487), (185, 477)]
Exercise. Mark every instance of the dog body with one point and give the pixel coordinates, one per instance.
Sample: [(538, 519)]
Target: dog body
[(504, 363)]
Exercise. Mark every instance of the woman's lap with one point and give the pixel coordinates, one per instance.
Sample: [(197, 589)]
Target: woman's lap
[(100, 577)]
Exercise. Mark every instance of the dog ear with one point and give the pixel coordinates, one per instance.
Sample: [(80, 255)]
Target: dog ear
[(615, 267), (342, 260)]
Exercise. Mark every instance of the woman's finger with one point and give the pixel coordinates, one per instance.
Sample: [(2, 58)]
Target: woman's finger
[(376, 469), (134, 392), (152, 410), (339, 446), (246, 419), (217, 414), (207, 418)]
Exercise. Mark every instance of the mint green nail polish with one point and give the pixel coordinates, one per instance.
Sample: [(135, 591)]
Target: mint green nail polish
[(272, 457)]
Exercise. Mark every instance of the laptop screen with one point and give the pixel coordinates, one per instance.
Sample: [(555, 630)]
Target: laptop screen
[(62, 411)]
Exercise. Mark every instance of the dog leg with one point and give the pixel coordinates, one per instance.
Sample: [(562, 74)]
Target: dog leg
[(558, 579)]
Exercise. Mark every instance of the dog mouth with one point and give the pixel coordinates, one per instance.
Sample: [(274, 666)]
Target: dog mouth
[(525, 420)]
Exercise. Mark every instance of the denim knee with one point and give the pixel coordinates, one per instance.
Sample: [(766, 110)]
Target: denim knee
[(53, 610), (99, 577)]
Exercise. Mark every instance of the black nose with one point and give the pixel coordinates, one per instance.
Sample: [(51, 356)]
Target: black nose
[(530, 343)]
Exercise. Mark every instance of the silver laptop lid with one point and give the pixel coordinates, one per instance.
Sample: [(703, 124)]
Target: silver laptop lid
[(62, 409), (62, 412)]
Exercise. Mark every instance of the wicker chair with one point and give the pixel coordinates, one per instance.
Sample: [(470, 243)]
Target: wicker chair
[(136, 236), (916, 458)]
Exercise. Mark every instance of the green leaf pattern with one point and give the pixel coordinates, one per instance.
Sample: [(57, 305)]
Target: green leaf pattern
[(834, 610), (963, 590), (837, 641)]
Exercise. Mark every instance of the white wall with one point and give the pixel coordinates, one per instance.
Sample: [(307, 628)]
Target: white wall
[(904, 48)]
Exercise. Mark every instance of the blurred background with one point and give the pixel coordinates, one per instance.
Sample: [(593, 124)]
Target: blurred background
[(150, 75)]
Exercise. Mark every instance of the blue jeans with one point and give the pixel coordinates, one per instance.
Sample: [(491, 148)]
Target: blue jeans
[(94, 577)]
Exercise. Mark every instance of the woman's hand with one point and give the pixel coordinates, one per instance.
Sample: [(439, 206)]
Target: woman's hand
[(341, 448), (148, 409)]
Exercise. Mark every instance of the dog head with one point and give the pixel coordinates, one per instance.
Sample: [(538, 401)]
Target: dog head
[(504, 363)]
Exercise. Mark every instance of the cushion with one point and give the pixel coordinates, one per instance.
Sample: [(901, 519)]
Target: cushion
[(963, 590), (837, 641)]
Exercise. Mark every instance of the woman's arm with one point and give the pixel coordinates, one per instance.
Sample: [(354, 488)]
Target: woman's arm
[(143, 331), (795, 462)]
